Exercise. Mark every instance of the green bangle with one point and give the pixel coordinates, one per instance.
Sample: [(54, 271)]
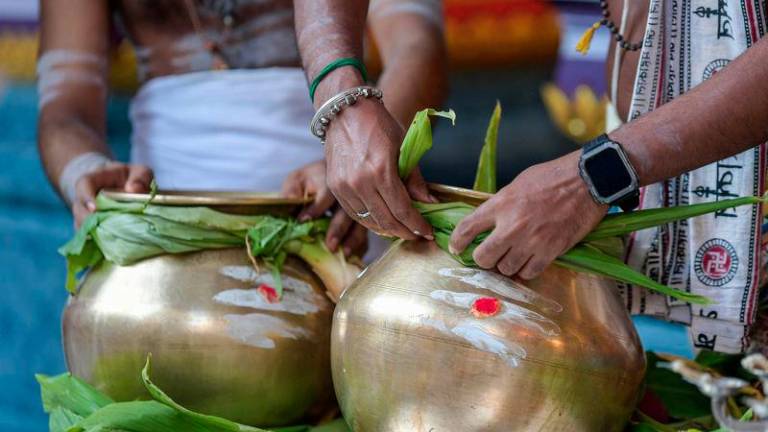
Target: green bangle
[(347, 61)]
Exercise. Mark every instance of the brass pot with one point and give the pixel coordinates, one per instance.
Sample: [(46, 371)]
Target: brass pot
[(218, 345), (411, 350)]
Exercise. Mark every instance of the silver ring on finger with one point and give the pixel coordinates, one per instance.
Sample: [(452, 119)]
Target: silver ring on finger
[(363, 214)]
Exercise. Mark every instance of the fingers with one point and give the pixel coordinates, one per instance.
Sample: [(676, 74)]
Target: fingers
[(536, 265), (323, 201), (511, 263), (417, 187), (384, 219), (130, 178), (79, 212), (337, 229), (470, 227), (351, 203), (492, 249), (293, 186), (111, 176), (139, 179), (404, 216), (356, 241)]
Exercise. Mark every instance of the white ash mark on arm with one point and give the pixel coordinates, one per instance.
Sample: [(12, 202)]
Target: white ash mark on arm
[(63, 70)]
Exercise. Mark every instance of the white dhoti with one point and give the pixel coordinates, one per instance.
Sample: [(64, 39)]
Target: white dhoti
[(234, 130)]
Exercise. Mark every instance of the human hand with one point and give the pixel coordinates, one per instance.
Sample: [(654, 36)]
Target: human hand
[(343, 232), (113, 175), (361, 150), (544, 212)]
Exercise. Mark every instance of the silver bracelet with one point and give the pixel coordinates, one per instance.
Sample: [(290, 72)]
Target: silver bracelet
[(329, 110), (76, 168)]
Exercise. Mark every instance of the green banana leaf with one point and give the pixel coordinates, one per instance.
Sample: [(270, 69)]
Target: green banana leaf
[(418, 139), (485, 179), (584, 258), (619, 224), (598, 253)]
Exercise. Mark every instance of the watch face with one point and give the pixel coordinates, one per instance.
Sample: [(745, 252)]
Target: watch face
[(607, 171)]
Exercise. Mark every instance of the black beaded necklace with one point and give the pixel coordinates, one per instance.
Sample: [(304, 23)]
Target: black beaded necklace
[(583, 45), (606, 21)]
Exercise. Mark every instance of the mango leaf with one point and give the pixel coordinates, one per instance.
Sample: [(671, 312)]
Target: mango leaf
[(75, 406), (682, 400), (127, 232), (139, 416), (70, 393), (589, 259), (61, 419), (418, 139), (485, 178), (619, 224), (207, 421)]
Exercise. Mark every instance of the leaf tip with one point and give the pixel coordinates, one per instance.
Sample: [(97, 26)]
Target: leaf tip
[(452, 116)]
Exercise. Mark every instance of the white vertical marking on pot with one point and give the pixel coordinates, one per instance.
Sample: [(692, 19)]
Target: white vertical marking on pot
[(298, 296), (501, 285), (261, 331), (474, 332)]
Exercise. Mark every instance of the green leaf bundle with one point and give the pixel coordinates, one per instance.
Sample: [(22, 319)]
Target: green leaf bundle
[(75, 406), (485, 178), (127, 232), (598, 253), (418, 139)]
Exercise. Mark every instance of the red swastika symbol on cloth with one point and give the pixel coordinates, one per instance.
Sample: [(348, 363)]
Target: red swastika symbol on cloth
[(716, 262)]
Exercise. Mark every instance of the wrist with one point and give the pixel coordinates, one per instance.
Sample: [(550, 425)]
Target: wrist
[(337, 81), (75, 169), (632, 143)]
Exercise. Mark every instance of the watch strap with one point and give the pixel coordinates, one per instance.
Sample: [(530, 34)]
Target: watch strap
[(629, 202), (595, 142)]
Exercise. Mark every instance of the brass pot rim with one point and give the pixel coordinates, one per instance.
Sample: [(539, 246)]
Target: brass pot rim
[(220, 198), (209, 198), (455, 193)]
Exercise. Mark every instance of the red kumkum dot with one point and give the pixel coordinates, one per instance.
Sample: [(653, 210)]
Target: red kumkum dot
[(269, 293), (486, 307)]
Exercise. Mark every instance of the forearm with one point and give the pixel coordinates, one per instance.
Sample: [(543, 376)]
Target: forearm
[(721, 117), (63, 138), (328, 30), (414, 82)]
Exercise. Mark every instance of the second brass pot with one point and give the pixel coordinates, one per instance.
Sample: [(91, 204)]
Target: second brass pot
[(413, 352)]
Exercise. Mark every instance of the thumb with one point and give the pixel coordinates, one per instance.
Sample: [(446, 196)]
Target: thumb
[(139, 179), (293, 186)]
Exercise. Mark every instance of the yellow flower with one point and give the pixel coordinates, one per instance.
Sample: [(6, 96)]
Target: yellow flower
[(580, 119)]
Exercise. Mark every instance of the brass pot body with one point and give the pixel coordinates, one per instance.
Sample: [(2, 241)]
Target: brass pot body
[(218, 346), (409, 355)]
